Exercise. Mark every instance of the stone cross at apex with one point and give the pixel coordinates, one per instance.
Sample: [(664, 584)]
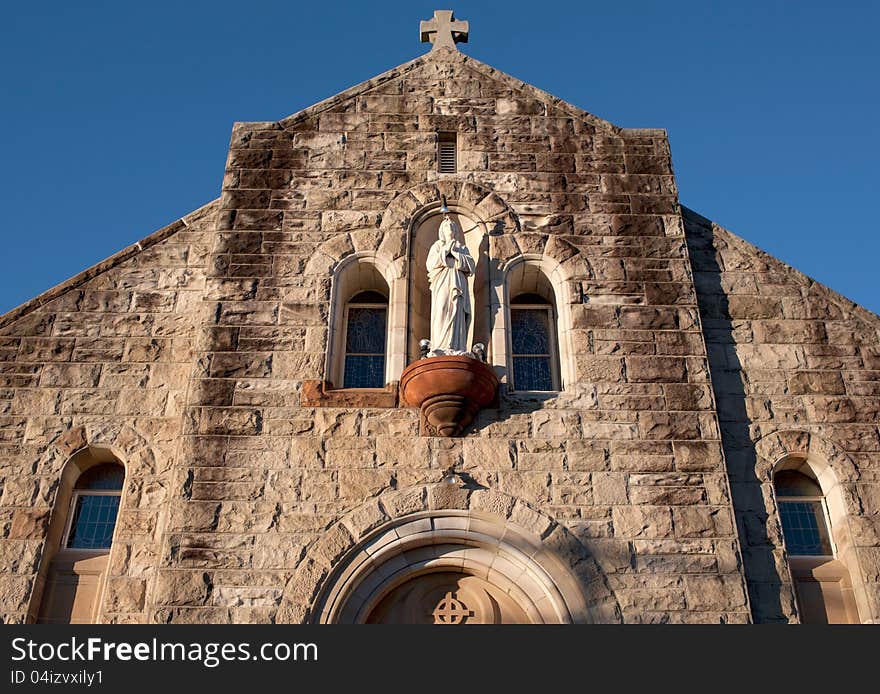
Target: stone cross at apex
[(444, 30)]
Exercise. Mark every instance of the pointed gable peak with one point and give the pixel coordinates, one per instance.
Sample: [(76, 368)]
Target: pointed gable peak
[(445, 64)]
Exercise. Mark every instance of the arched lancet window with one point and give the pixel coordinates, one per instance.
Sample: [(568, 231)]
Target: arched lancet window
[(73, 570), (366, 320), (362, 326), (534, 327), (534, 351), (822, 583)]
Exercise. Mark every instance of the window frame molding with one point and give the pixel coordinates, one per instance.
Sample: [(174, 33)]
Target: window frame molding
[(501, 298), (828, 485), (395, 326)]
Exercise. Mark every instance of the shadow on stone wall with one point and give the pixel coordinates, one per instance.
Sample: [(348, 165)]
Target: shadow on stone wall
[(764, 585)]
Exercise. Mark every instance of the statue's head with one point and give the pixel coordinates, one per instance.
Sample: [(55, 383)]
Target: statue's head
[(447, 229)]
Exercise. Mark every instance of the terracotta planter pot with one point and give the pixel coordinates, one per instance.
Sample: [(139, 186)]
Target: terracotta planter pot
[(449, 391)]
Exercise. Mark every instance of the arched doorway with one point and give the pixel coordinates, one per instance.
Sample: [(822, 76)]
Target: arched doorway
[(450, 567)]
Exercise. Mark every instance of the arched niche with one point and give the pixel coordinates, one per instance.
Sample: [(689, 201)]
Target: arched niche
[(823, 580), (72, 575), (425, 231)]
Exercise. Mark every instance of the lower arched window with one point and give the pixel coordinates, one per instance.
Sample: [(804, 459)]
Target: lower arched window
[(366, 318), (73, 571), (534, 352), (822, 583)]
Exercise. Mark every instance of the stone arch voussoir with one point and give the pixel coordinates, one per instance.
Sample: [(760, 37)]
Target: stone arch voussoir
[(390, 238), (140, 458), (126, 444), (387, 247), (491, 208), (574, 569), (776, 446), (564, 255)]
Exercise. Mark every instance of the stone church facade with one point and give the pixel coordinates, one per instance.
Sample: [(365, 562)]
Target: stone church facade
[(178, 444)]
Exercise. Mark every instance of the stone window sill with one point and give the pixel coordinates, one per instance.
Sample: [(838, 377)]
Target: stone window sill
[(323, 394), (531, 395)]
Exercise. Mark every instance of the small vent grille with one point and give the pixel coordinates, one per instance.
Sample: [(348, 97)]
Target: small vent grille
[(446, 152)]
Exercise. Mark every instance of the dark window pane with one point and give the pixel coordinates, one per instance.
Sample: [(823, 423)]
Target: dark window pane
[(368, 298), (532, 373), (105, 476), (803, 524), (364, 371), (794, 483), (365, 333), (529, 299), (529, 331), (94, 518)]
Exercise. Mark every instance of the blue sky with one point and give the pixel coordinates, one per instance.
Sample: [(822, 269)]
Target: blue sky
[(118, 114)]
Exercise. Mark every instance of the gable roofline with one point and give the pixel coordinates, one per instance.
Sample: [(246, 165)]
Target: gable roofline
[(835, 297), (449, 55), (103, 266)]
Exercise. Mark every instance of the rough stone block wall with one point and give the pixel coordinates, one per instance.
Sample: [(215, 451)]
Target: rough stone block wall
[(699, 362), (796, 369), (103, 359), (628, 458)]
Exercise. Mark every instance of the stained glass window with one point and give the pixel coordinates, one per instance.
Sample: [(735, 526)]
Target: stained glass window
[(532, 348), (95, 506), (365, 342)]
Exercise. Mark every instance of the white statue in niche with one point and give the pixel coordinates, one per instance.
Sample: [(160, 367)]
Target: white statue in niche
[(449, 264)]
